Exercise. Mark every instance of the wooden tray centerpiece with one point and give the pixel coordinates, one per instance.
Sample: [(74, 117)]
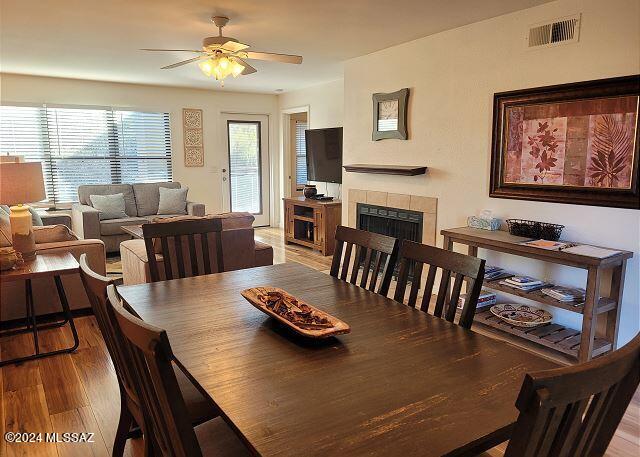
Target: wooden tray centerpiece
[(294, 313)]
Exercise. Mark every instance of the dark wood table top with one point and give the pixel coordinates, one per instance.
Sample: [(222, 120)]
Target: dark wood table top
[(52, 264), (401, 383), (133, 230)]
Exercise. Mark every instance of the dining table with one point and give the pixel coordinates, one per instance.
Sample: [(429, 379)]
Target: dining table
[(401, 383)]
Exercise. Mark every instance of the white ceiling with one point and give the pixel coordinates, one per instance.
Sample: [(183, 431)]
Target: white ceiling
[(100, 39)]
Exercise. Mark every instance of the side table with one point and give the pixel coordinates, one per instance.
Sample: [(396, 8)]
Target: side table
[(43, 266)]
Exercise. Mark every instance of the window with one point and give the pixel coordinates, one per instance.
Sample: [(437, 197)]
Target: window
[(88, 145), (244, 166), (301, 154)]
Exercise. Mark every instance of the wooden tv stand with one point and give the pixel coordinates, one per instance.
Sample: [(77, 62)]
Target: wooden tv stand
[(312, 223)]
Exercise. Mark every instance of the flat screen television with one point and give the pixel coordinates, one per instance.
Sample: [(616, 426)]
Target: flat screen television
[(324, 154)]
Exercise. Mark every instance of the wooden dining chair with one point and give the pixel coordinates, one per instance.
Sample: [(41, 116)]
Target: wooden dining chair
[(575, 411), (414, 256), (164, 406), (200, 408), (377, 254), (185, 248)]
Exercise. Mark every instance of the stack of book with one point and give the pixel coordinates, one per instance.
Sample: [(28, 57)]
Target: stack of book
[(486, 298), (565, 294), (524, 283), (491, 273)]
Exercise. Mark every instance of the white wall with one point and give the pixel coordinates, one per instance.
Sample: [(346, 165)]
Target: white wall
[(453, 76), (324, 104), (205, 183)]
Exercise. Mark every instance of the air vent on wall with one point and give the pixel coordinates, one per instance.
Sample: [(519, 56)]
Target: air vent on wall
[(552, 33)]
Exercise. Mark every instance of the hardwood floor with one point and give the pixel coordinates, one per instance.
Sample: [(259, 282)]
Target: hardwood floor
[(78, 392)]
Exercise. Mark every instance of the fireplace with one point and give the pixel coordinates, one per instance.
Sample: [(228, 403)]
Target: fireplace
[(402, 224)]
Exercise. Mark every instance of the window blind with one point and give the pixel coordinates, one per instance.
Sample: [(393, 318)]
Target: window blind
[(244, 166), (88, 145), (301, 154)]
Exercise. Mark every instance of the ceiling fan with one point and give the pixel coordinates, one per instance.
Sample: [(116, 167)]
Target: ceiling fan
[(223, 56)]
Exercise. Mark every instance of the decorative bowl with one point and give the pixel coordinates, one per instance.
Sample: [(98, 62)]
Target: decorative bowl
[(9, 258), (521, 315), (296, 314)]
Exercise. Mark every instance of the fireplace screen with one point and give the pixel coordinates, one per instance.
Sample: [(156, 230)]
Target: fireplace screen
[(399, 223)]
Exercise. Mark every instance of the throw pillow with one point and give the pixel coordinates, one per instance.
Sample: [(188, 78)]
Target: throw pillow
[(173, 201), (53, 234), (110, 206), (5, 229), (36, 220)]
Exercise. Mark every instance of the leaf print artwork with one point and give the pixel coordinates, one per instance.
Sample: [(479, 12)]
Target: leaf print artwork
[(543, 150), (610, 150)]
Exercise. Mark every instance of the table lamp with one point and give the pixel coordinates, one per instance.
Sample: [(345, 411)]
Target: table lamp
[(20, 183)]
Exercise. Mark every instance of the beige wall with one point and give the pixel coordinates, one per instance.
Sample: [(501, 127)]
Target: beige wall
[(452, 77), (205, 183)]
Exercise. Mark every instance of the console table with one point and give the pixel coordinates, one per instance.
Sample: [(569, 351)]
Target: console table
[(579, 344), (312, 223)]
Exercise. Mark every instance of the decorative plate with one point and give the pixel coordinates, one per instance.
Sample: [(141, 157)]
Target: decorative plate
[(301, 317), (521, 315)]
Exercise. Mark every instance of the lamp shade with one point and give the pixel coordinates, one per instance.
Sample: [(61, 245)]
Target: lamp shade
[(21, 183)]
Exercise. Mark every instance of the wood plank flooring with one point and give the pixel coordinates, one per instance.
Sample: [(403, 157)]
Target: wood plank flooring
[(78, 392)]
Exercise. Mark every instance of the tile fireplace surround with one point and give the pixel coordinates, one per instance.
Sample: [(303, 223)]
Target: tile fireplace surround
[(427, 205)]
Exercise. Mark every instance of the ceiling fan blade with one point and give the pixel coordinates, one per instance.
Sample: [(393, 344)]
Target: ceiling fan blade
[(172, 50), (248, 69), (184, 62), (284, 58), (233, 46)]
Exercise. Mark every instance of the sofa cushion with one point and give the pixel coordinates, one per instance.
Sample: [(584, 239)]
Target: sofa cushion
[(147, 196), (53, 234), (110, 206), (126, 190), (172, 201), (113, 226)]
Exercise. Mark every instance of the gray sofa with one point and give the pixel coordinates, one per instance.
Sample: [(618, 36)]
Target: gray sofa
[(141, 205)]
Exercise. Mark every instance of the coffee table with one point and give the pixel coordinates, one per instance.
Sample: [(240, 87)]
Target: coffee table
[(133, 230), (52, 265)]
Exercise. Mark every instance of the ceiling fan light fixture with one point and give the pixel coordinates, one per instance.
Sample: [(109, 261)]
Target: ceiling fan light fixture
[(207, 67), (236, 68)]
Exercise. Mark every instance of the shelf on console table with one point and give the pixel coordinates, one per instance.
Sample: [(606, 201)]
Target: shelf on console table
[(583, 344), (385, 169)]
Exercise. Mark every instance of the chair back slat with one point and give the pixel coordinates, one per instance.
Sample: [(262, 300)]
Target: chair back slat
[(464, 268), (372, 249), (180, 253), (455, 295), (575, 411), (366, 267), (376, 271), (355, 265), (166, 255), (204, 242), (428, 288), (179, 256), (443, 292), (96, 287), (345, 263), (164, 406), (193, 254), (415, 284)]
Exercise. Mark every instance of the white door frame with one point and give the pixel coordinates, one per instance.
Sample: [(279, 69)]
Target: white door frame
[(285, 145), (266, 216)]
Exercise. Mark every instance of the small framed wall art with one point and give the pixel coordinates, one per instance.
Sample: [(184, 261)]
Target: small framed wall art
[(390, 115), (572, 143), (192, 134)]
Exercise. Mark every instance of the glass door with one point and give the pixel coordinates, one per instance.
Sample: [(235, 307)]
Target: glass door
[(246, 138)]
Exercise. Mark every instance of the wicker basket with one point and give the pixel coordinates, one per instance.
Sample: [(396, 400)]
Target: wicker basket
[(535, 229)]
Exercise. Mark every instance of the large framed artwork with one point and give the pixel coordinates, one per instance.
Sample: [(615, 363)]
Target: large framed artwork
[(572, 143)]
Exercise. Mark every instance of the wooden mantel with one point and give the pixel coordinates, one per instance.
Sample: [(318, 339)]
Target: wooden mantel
[(385, 169)]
